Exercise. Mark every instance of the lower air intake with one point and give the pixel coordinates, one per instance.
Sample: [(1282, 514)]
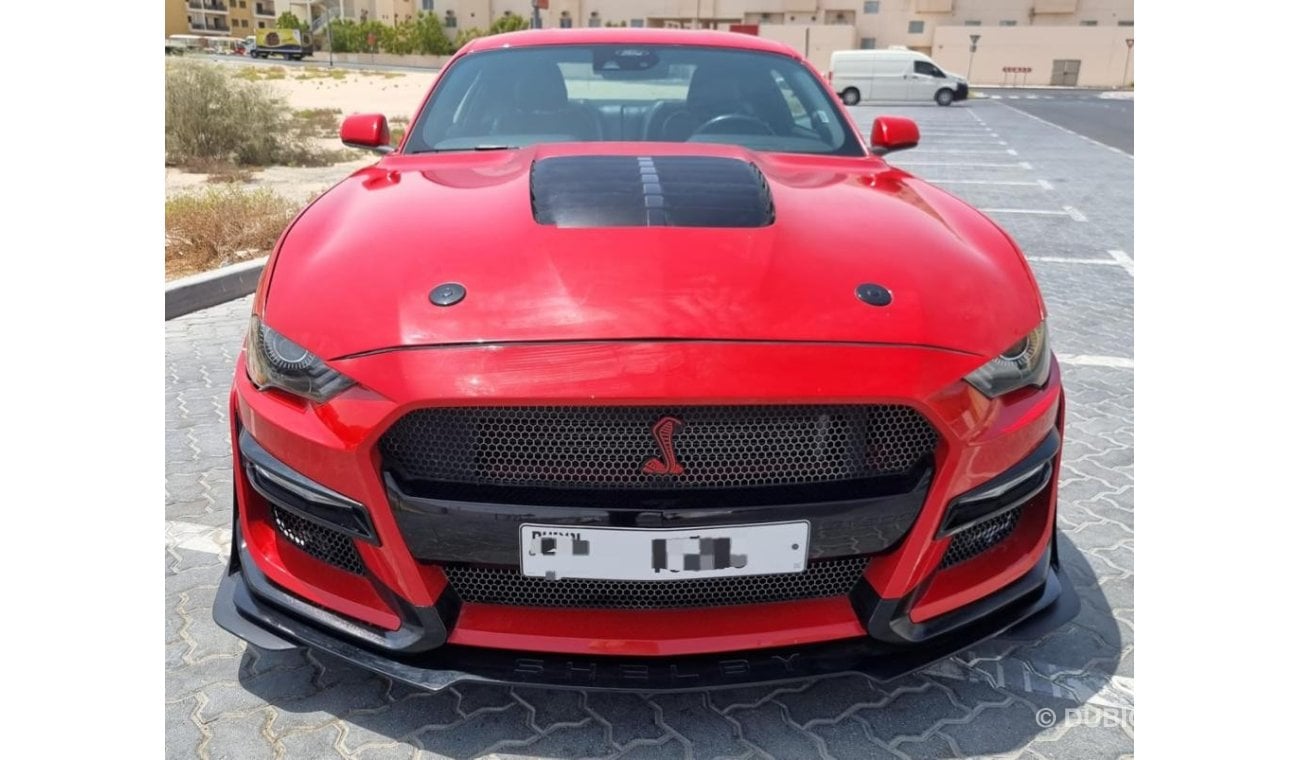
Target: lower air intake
[(506, 586), (325, 544), (980, 537)]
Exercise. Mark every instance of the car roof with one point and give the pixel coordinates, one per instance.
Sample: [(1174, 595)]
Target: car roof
[(629, 36)]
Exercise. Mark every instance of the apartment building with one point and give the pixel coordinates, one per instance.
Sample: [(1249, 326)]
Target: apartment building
[(219, 18), (1083, 42)]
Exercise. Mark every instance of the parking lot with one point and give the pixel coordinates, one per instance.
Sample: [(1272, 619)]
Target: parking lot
[(1068, 201)]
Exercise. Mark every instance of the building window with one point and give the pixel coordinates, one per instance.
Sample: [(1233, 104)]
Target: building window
[(868, 43), (1087, 23), (426, 5), (637, 23), (871, 6), (1006, 23), (972, 22), (594, 19), (449, 21), (1126, 23), (261, 25), (566, 21), (915, 27)]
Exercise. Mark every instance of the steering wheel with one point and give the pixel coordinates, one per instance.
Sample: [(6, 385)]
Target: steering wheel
[(752, 125)]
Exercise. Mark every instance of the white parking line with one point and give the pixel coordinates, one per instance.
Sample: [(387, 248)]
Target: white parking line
[(1068, 260), (1071, 131), (1045, 184), (1123, 259), (1001, 182), (971, 142), (1088, 360), (196, 537), (962, 152), (1067, 211), (1021, 165)]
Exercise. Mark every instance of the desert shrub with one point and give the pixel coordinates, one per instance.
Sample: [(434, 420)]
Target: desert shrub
[(212, 116), (508, 23), (222, 225)]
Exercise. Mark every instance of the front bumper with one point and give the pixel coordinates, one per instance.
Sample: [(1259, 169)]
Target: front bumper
[(398, 615), (254, 609)]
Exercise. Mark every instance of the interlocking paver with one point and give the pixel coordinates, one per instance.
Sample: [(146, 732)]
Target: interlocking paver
[(224, 700)]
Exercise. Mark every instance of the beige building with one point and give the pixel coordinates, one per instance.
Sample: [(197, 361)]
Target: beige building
[(1061, 41), (219, 18), (1084, 42)]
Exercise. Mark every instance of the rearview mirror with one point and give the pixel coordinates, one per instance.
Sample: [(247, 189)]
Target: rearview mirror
[(366, 130), (891, 133)]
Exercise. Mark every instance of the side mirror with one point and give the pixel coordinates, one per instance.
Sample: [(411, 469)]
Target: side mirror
[(891, 133), (366, 130)]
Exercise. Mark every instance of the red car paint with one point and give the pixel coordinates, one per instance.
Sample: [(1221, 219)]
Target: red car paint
[(629, 316)]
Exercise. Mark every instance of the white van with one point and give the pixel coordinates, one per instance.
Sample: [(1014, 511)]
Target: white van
[(897, 75)]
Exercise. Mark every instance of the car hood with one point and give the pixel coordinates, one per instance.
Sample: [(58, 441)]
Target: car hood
[(355, 271)]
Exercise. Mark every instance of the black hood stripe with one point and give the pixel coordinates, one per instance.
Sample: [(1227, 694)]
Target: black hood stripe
[(649, 191)]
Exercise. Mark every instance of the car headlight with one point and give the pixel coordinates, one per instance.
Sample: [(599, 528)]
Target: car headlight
[(1027, 362), (274, 361)]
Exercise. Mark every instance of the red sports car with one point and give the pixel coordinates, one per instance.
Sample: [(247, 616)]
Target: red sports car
[(634, 367)]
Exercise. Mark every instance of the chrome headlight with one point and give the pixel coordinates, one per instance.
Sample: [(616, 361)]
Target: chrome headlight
[(274, 361), (1027, 362)]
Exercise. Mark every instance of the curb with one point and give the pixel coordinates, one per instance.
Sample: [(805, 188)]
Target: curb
[(206, 289)]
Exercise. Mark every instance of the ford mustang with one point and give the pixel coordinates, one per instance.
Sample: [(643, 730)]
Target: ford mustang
[(635, 366)]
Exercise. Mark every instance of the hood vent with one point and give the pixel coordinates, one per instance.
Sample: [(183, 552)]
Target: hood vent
[(649, 191)]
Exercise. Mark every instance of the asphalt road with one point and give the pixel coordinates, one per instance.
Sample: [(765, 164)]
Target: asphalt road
[(1100, 116)]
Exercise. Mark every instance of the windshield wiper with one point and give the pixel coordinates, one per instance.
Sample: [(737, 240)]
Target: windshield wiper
[(474, 147)]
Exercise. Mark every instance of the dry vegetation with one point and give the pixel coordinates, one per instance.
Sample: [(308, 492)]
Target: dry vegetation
[(223, 225), (214, 117), (244, 152)]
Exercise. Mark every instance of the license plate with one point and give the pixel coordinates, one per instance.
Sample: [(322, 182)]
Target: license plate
[(652, 554)]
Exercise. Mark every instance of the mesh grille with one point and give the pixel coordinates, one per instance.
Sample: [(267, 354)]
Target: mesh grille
[(607, 447), (324, 544), (493, 585), (980, 537)]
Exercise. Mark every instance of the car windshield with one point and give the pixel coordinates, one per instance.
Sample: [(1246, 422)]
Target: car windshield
[(503, 99)]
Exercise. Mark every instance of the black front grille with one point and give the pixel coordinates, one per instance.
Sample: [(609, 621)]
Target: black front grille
[(980, 537), (611, 447), (325, 544), (494, 585)]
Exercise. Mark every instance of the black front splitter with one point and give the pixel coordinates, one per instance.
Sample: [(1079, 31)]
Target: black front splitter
[(1047, 605)]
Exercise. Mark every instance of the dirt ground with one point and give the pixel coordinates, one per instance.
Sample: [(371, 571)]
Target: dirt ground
[(393, 94)]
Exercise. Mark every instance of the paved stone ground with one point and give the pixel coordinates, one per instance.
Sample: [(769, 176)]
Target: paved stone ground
[(224, 701)]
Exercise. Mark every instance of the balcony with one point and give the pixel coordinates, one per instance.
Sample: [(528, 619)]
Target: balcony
[(215, 6), (264, 10)]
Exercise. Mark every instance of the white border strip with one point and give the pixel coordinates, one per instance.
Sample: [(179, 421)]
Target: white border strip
[(1089, 360)]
